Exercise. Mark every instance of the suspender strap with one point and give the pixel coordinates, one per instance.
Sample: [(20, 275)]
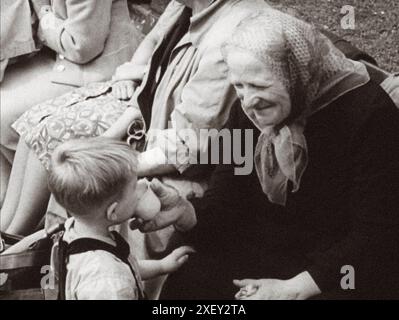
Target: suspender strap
[(62, 269)]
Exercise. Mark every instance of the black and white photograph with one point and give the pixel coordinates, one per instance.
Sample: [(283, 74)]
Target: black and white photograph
[(199, 150)]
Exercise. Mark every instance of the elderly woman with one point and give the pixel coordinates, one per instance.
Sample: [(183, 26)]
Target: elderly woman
[(84, 41), (177, 82), (319, 215)]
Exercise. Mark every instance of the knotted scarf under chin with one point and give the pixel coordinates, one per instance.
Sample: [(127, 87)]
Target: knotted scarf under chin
[(281, 157)]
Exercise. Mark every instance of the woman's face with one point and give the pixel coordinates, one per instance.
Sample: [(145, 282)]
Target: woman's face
[(264, 98)]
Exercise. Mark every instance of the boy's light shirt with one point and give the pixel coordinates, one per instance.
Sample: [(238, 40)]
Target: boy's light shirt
[(98, 275)]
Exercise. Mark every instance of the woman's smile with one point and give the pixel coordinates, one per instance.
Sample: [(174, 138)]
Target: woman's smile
[(264, 98)]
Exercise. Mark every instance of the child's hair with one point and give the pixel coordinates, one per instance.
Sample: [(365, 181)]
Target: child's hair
[(87, 173)]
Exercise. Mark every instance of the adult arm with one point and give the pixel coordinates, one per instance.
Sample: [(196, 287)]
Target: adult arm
[(136, 69), (224, 204), (82, 35), (205, 103)]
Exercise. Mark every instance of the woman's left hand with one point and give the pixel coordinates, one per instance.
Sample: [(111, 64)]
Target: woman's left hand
[(267, 289), (301, 287)]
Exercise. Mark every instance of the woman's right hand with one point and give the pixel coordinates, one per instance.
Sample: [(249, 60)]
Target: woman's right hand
[(123, 90), (175, 210)]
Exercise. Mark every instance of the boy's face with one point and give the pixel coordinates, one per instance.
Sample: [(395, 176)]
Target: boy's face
[(127, 203)]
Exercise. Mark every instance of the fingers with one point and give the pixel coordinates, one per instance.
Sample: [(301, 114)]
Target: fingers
[(161, 190), (116, 91), (129, 91), (150, 226), (253, 297), (135, 224), (182, 251), (123, 90), (158, 188), (182, 260), (243, 283), (181, 255), (160, 221)]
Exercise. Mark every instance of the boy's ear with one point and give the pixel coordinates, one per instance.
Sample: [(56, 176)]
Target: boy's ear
[(111, 212)]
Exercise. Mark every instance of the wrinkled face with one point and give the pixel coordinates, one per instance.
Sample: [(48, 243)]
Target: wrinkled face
[(263, 97)]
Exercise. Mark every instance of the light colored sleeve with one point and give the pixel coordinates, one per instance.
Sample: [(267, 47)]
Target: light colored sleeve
[(205, 104), (82, 36), (173, 9), (140, 62)]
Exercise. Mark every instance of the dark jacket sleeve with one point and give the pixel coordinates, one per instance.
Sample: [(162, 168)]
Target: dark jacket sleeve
[(225, 204), (371, 245)]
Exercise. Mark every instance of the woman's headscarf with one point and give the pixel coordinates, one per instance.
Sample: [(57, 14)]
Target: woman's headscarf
[(315, 74)]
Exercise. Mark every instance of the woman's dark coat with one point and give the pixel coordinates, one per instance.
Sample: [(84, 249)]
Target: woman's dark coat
[(346, 212)]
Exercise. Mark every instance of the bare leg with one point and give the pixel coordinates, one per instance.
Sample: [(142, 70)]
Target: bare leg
[(33, 199), (7, 154), (6, 159), (24, 244), (5, 169), (14, 186)]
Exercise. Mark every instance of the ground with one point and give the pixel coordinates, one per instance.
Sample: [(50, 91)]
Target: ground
[(376, 24)]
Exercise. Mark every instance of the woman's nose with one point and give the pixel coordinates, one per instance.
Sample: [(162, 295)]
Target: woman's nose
[(249, 100)]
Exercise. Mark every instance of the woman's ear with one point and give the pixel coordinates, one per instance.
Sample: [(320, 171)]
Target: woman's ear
[(111, 212)]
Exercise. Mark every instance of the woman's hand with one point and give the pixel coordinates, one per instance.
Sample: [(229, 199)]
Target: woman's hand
[(176, 259), (175, 210), (123, 90), (301, 287)]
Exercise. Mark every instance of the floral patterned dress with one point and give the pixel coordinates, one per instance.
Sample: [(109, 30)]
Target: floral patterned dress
[(85, 112)]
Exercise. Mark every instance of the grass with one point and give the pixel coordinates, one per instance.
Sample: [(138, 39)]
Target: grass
[(376, 24)]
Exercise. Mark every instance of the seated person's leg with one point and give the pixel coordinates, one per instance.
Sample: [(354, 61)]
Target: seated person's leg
[(25, 85), (33, 198), (24, 244)]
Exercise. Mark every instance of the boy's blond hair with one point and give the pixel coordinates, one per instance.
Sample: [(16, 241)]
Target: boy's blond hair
[(87, 173)]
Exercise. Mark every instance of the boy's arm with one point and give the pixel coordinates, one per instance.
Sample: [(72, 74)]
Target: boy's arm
[(171, 263), (150, 268)]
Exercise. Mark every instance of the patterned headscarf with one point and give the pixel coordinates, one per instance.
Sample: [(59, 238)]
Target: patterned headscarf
[(315, 74)]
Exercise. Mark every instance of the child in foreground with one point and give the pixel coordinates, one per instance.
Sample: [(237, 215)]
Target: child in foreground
[(95, 180)]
